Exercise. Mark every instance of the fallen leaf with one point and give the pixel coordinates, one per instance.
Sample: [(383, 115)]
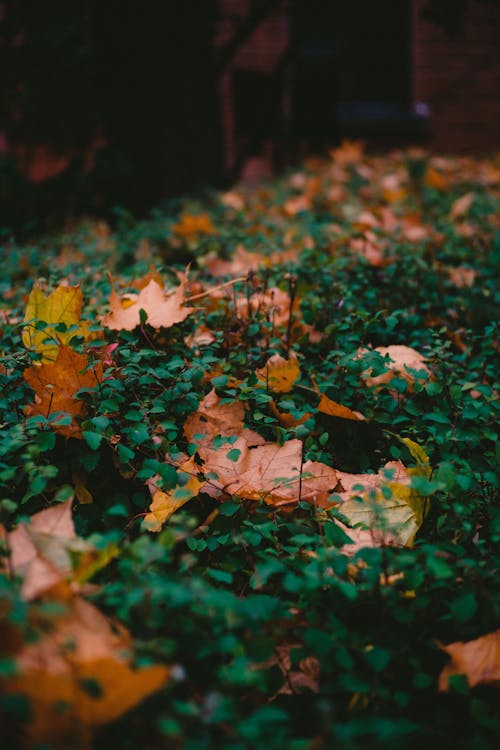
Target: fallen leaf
[(349, 152), (163, 309), (274, 303), (269, 472), (192, 225), (44, 552), (436, 179), (400, 358), (241, 262), (279, 374), (287, 420), (166, 503), (392, 190), (333, 409), (55, 385), (232, 199), (202, 336), (303, 679), (478, 660), (213, 419), (462, 277), (384, 511), (85, 665), (461, 205), (62, 306)]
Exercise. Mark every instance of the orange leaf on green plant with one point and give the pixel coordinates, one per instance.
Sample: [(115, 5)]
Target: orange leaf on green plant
[(279, 374), (163, 309), (478, 660), (55, 385), (166, 503)]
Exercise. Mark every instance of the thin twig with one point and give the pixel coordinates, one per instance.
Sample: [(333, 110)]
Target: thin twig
[(208, 292)]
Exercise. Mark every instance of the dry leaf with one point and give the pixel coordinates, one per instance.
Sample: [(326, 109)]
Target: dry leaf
[(55, 385), (436, 179), (392, 190), (163, 309), (192, 225), (462, 277), (478, 660), (300, 680), (279, 374), (240, 263), (461, 205), (202, 336), (166, 503), (382, 520), (333, 409), (46, 551), (401, 357), (287, 420), (63, 305), (84, 665), (269, 472), (213, 418), (274, 304), (349, 152)]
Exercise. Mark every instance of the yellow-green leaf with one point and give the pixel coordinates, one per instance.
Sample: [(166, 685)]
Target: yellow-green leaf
[(63, 305)]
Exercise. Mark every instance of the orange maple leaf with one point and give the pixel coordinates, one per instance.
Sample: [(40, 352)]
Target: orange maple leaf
[(163, 309), (56, 384)]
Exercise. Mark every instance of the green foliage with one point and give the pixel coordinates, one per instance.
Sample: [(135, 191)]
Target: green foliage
[(224, 585)]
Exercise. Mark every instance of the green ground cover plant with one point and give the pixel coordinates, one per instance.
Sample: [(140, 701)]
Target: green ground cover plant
[(256, 436)]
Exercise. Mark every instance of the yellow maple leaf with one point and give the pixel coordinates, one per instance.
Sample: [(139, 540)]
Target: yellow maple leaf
[(62, 306)]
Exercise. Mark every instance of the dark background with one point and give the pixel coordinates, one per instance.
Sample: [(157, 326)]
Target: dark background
[(127, 103)]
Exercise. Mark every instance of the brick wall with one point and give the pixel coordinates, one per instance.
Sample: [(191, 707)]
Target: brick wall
[(458, 75)]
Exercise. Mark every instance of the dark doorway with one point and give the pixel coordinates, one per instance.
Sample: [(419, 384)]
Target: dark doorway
[(356, 53)]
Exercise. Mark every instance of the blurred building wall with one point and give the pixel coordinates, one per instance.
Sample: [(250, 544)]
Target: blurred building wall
[(458, 75)]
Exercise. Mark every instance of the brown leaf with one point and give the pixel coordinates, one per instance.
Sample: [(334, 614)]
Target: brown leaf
[(400, 358), (287, 420), (85, 665), (333, 409), (274, 304), (269, 472), (241, 262), (461, 205), (349, 152), (462, 277), (279, 374), (163, 309), (43, 552), (305, 678), (55, 385), (213, 418), (478, 660)]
